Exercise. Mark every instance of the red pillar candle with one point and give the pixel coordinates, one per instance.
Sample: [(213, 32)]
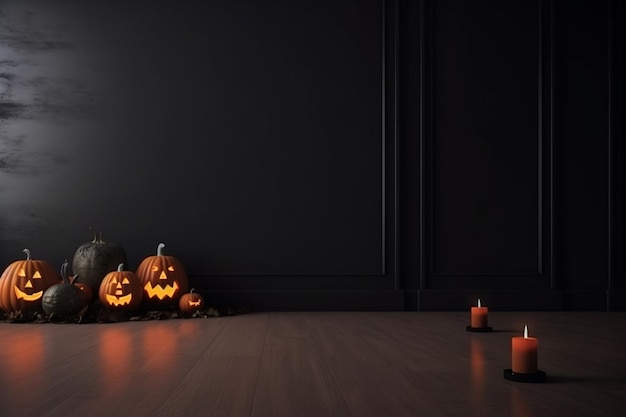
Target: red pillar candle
[(524, 354), (478, 318)]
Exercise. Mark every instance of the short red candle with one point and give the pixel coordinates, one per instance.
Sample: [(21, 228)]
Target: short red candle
[(478, 317), (524, 354)]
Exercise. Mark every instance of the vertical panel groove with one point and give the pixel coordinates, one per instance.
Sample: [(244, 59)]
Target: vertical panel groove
[(421, 152), (396, 77), (383, 134), (551, 24), (429, 190), (611, 109), (540, 138)]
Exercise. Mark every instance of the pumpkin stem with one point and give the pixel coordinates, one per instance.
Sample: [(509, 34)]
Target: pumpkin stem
[(160, 249), (192, 290), (95, 235), (100, 237), (74, 279), (120, 267), (27, 252), (64, 272)]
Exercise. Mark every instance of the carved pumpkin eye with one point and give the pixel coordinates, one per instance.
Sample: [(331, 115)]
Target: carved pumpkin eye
[(154, 268), (125, 281), (170, 268), (36, 274), (21, 273)]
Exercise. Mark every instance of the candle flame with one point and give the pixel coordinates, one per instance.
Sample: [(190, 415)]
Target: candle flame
[(479, 302), (525, 332)]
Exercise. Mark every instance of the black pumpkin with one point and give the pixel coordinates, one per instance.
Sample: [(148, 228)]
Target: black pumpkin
[(64, 299), (93, 260)]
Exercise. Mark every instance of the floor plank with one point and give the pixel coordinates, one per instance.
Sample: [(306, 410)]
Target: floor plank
[(368, 378), (293, 380), (222, 381)]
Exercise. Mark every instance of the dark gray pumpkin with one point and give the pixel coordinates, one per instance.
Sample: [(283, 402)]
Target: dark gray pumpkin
[(64, 299), (93, 260)]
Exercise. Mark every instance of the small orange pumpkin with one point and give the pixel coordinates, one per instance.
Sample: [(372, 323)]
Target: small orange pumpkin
[(163, 279), (191, 302), (23, 283), (120, 290)]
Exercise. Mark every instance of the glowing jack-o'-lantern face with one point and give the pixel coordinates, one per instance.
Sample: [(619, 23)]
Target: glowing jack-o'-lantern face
[(24, 282), (164, 288), (24, 295), (163, 279), (194, 304), (120, 290), (191, 302), (121, 297)]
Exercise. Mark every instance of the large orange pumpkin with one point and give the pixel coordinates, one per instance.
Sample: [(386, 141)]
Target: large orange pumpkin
[(23, 283), (120, 290), (163, 279)]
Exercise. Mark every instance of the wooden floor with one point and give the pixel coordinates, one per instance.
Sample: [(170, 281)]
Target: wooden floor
[(313, 364)]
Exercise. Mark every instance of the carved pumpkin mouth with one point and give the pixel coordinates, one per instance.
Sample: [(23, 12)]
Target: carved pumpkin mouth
[(195, 303), (21, 295), (119, 301), (160, 291)]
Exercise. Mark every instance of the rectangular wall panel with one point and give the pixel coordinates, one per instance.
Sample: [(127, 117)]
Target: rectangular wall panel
[(582, 143), (484, 141)]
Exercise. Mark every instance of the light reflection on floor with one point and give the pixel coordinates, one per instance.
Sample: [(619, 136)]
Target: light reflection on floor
[(118, 354), (116, 361), (23, 356), (477, 372)]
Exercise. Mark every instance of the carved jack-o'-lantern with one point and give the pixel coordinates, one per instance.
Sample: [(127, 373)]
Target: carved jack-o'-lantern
[(120, 290), (23, 283), (163, 278), (191, 302)]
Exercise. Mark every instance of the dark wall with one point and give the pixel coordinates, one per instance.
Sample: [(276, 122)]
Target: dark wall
[(324, 154)]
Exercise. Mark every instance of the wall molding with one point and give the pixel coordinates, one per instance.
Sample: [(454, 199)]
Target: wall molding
[(429, 300), (523, 300), (306, 300)]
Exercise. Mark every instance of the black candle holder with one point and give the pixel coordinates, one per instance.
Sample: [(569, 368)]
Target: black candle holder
[(539, 376), (485, 329)]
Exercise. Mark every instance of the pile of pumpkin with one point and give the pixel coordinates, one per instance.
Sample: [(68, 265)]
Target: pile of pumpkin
[(32, 286)]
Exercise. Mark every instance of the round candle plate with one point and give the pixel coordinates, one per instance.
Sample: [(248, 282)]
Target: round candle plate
[(538, 376), (479, 329)]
